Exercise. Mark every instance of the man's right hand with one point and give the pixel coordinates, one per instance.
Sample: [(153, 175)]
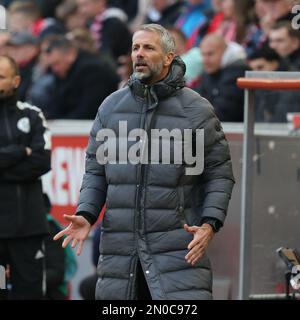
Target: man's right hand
[(77, 231)]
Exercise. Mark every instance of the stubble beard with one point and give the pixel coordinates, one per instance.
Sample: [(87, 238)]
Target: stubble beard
[(153, 71)]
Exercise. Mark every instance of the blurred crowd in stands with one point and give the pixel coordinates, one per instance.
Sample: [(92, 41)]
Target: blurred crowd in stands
[(74, 53)]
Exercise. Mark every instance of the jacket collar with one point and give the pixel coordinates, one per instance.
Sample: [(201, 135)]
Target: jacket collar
[(163, 89), (9, 103)]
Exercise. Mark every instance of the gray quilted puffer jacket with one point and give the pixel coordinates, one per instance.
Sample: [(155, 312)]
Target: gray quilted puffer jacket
[(147, 204)]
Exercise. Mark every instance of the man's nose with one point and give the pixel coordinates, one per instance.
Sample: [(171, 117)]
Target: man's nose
[(140, 53)]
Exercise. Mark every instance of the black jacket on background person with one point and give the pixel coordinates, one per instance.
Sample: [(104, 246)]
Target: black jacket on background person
[(293, 60), (116, 38), (22, 211), (221, 90), (147, 205), (88, 83)]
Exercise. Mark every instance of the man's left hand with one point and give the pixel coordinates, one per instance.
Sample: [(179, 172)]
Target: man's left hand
[(197, 247)]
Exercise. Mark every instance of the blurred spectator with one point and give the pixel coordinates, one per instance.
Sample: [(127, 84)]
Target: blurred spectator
[(42, 86), (193, 21), (67, 12), (272, 11), (164, 12), (5, 3), (265, 59), (216, 16), (135, 10), (192, 58), (24, 16), (129, 7), (286, 42), (237, 16), (82, 39), (238, 23), (47, 8), (180, 40), (124, 69), (82, 80), (272, 105), (223, 63), (142, 7), (107, 25), (4, 37), (24, 48)]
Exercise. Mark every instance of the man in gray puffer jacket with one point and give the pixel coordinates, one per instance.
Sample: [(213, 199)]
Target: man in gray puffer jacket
[(158, 220)]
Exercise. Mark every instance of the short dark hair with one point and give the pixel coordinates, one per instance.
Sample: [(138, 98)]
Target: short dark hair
[(287, 25), (264, 53), (59, 42), (12, 64)]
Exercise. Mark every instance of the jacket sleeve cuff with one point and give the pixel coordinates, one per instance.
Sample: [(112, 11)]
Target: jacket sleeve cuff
[(88, 216), (215, 223)]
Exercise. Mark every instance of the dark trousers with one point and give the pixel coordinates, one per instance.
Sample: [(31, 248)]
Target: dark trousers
[(26, 260), (87, 287), (143, 292)]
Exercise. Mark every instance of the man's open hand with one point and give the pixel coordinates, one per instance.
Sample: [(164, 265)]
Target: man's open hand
[(77, 231), (198, 246)]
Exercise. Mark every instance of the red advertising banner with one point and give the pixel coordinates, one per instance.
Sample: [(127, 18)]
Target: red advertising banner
[(63, 183)]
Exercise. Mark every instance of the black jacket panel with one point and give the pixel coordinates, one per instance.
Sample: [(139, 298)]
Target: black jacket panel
[(22, 211), (87, 84), (221, 90)]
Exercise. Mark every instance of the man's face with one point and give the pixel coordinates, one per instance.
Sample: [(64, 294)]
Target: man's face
[(212, 53), (9, 82), (262, 64), (282, 43), (88, 9), (60, 62), (150, 62)]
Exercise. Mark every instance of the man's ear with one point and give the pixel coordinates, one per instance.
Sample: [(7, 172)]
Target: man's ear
[(16, 82), (169, 58)]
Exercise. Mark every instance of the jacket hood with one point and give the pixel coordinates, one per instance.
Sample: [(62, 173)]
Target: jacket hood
[(164, 88)]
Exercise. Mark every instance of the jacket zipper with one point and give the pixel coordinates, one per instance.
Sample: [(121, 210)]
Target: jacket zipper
[(137, 202), (141, 179)]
